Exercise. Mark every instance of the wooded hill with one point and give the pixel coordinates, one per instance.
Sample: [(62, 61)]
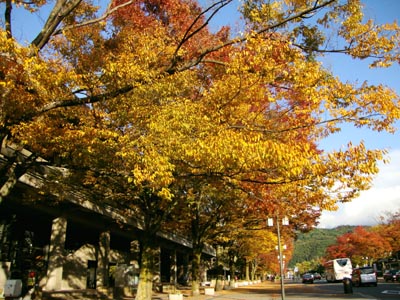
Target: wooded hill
[(311, 245)]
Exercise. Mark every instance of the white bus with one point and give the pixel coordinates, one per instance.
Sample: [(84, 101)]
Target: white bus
[(337, 269)]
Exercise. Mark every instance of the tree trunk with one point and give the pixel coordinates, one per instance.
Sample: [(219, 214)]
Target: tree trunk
[(145, 287), (196, 270), (254, 266), (247, 271), (232, 270)]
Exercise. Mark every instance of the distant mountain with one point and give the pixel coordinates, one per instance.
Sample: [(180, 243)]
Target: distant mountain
[(312, 245)]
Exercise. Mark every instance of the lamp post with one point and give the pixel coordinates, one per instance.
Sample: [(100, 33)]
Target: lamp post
[(285, 221), (366, 261)]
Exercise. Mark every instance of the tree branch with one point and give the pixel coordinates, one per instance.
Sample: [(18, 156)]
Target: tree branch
[(188, 34), (233, 41), (85, 100), (7, 17), (61, 9), (107, 13)]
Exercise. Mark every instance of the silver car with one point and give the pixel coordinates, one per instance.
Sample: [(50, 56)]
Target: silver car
[(364, 276)]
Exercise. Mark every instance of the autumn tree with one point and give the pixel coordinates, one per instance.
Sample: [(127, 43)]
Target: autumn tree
[(389, 230), (209, 214), (309, 266), (144, 103), (253, 248), (110, 164), (362, 246)]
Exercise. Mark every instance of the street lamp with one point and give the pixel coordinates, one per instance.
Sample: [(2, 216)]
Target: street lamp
[(366, 261), (285, 221)]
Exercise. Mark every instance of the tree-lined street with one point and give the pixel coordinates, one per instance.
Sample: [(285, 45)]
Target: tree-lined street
[(191, 131), (319, 290)]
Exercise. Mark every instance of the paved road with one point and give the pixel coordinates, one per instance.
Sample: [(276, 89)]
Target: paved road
[(271, 291)]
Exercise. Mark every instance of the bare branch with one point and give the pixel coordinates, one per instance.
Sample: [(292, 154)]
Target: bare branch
[(107, 13), (60, 11), (85, 100), (234, 41), (7, 17), (188, 34)]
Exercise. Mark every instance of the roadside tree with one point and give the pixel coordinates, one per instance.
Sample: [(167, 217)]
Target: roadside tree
[(143, 99), (362, 246), (389, 229)]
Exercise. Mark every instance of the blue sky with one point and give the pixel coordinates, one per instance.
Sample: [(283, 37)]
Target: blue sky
[(385, 194)]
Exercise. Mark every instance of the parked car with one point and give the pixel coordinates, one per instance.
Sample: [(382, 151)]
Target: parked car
[(317, 276), (389, 275), (308, 278), (397, 276), (364, 276)]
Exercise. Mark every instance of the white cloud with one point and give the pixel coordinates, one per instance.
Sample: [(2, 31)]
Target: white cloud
[(383, 197)]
